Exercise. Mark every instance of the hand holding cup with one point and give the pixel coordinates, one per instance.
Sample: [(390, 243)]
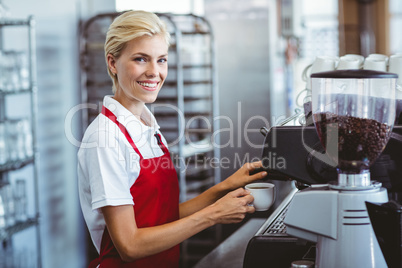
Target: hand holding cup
[(263, 193)]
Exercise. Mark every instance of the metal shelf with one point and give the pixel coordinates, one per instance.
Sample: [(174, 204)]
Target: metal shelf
[(199, 147), (195, 33), (17, 164), (191, 66), (18, 227), (196, 169), (195, 185), (188, 82), (15, 92), (189, 130), (186, 114), (164, 99), (14, 22), (5, 169)]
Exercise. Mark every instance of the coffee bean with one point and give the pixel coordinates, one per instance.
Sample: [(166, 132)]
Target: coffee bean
[(360, 140)]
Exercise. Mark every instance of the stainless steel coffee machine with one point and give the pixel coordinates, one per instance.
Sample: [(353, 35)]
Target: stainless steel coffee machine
[(338, 158)]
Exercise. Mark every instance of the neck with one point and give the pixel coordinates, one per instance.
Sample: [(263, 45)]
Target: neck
[(135, 107)]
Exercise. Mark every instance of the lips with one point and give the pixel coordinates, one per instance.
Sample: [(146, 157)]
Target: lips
[(149, 85)]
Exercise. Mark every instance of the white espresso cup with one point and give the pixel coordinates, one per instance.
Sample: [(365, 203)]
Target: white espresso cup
[(395, 66), (358, 57), (263, 193), (350, 61), (376, 56), (320, 64), (375, 64), (324, 63)]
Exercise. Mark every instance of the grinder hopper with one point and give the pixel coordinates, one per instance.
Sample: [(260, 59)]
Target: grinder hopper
[(354, 113)]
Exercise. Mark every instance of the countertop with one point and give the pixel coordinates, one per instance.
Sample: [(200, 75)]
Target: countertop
[(230, 253)]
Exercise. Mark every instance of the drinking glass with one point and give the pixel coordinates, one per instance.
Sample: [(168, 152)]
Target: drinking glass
[(3, 144), (8, 202), (20, 198), (2, 212), (15, 135), (10, 72), (22, 68), (27, 137)]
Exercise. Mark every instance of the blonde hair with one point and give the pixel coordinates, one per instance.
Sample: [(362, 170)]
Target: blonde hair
[(128, 26)]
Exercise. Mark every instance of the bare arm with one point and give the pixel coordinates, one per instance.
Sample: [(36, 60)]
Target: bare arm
[(133, 243), (239, 179)]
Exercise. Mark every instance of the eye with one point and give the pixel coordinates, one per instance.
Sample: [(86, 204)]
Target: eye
[(140, 59), (162, 60)]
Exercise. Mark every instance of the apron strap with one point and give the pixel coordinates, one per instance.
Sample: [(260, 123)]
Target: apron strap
[(94, 263), (160, 143), (106, 112)]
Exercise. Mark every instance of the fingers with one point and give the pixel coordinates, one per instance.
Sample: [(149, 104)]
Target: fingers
[(249, 198), (258, 175), (244, 196), (247, 202), (234, 207), (250, 209), (240, 192), (252, 167)]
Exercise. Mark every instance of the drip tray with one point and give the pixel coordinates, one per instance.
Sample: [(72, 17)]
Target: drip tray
[(277, 227), (272, 246)]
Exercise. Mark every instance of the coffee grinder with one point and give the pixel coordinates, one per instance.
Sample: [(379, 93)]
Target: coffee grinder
[(353, 113)]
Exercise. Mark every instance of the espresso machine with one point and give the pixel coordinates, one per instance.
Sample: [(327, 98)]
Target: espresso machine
[(353, 113), (344, 164)]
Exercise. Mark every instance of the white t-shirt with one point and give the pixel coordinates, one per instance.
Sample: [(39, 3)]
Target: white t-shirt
[(108, 165)]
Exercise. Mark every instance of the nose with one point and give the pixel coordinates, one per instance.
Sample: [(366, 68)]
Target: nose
[(152, 70)]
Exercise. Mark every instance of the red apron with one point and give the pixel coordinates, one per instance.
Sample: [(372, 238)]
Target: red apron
[(156, 202)]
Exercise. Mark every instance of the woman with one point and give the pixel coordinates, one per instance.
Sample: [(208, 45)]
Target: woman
[(128, 186)]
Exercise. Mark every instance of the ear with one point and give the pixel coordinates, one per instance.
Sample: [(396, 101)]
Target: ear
[(111, 63)]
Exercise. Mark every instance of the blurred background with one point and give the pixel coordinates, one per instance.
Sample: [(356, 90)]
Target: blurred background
[(260, 49)]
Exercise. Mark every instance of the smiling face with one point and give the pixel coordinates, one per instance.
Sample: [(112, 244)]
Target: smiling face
[(141, 70)]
